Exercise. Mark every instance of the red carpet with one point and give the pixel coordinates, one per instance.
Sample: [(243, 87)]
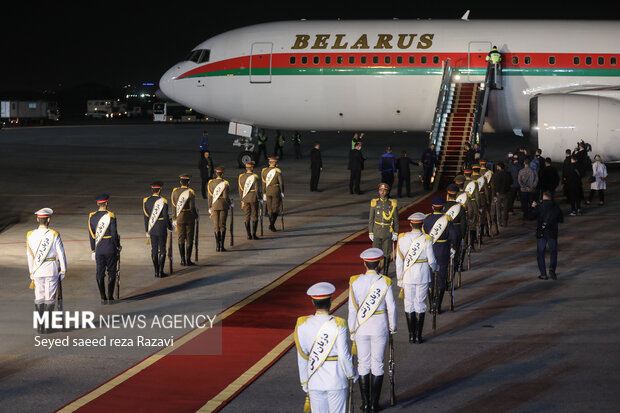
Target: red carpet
[(255, 333)]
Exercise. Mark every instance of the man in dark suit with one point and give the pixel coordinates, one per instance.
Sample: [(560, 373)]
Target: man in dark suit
[(316, 166), (404, 174), (356, 164), (549, 215)]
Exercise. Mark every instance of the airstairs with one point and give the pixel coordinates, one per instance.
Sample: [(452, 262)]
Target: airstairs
[(459, 117)]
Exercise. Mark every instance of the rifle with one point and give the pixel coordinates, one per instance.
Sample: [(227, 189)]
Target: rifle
[(196, 236), (451, 278), (59, 303), (118, 275), (350, 406), (488, 214), (469, 241), (497, 218), (261, 208), (170, 254), (435, 298), (282, 212), (391, 372), (232, 224)]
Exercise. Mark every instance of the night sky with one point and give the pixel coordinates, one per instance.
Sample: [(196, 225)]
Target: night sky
[(115, 43)]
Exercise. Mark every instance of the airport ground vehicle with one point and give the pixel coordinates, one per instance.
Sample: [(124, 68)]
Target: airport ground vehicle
[(28, 112)]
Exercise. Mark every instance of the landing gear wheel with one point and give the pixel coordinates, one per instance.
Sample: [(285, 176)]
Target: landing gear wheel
[(245, 157)]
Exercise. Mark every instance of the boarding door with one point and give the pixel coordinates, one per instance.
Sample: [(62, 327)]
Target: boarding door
[(476, 60), (260, 63)]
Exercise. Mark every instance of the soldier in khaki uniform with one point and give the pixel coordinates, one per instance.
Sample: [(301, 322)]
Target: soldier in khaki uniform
[(471, 187), (184, 217), (469, 217), (250, 195), (483, 203), (383, 223), (218, 196), (491, 193), (273, 190)]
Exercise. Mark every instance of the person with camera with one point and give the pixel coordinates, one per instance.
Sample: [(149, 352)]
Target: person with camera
[(548, 215)]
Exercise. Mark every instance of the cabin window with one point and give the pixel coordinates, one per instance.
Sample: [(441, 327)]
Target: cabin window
[(387, 60), (363, 60), (588, 60), (316, 60), (576, 60), (601, 61), (435, 60), (515, 60), (304, 60), (411, 60), (423, 60), (399, 60), (527, 60), (613, 61), (194, 55), (351, 60), (552, 60), (291, 60), (339, 60), (328, 60), (375, 60)]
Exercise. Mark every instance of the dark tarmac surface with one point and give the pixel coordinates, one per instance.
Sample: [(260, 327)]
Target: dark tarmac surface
[(514, 343)]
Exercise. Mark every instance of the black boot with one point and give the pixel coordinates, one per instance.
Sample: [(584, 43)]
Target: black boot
[(386, 266), (420, 317), (217, 241), (272, 221), (254, 226), (182, 252), (442, 291), (162, 261), (375, 392), (412, 324), (222, 239), (49, 308), (40, 308), (188, 257), (247, 229), (155, 260), (111, 286), (101, 285), (365, 392)]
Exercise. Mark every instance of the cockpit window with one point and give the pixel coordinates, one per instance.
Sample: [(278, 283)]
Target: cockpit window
[(199, 56)]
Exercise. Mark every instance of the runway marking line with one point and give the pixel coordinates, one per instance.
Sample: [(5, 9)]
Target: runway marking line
[(250, 374)]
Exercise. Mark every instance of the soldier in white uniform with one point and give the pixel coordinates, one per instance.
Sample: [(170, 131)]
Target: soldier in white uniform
[(46, 262), (372, 316), (414, 262), (325, 363)]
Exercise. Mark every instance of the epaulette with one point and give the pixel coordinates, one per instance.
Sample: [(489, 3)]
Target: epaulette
[(302, 319), (394, 202), (373, 202), (111, 214), (145, 198), (54, 232), (278, 170), (28, 234), (191, 191), (388, 281), (353, 278), (341, 322), (165, 200), (174, 189), (227, 183), (402, 234), (428, 237), (91, 214)]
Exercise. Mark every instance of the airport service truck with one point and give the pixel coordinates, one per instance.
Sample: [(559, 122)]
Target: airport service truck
[(174, 112), (28, 112), (105, 108)]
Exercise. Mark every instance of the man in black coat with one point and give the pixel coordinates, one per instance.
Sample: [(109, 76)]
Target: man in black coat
[(428, 163), (404, 174), (574, 187), (356, 164), (205, 165), (549, 179), (549, 215), (316, 166)]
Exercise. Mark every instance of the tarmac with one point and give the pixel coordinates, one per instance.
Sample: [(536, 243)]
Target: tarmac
[(514, 343)]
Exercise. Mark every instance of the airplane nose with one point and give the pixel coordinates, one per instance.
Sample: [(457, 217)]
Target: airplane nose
[(166, 83)]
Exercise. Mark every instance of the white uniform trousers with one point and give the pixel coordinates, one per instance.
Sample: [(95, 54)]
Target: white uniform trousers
[(415, 297), (370, 351), (332, 401), (45, 289)]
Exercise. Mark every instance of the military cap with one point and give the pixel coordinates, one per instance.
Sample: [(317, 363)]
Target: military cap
[(44, 212), (452, 189), (185, 176), (273, 158), (438, 201), (157, 184), (320, 291), (467, 171), (417, 217), (372, 254), (475, 166), (102, 198), (219, 169), (383, 185), (482, 162), (250, 164), (459, 179)]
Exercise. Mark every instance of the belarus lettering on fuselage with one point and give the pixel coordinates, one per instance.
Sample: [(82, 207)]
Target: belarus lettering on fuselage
[(382, 41)]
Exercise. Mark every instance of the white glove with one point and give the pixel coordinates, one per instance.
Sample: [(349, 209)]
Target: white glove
[(304, 387), (147, 235), (282, 195), (371, 236), (357, 376), (198, 218), (93, 256), (174, 224), (352, 337), (392, 332), (452, 252), (394, 236), (261, 201), (232, 204), (210, 211), (62, 276), (264, 197), (399, 284)]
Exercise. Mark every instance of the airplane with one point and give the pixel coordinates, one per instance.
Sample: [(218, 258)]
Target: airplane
[(560, 79)]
